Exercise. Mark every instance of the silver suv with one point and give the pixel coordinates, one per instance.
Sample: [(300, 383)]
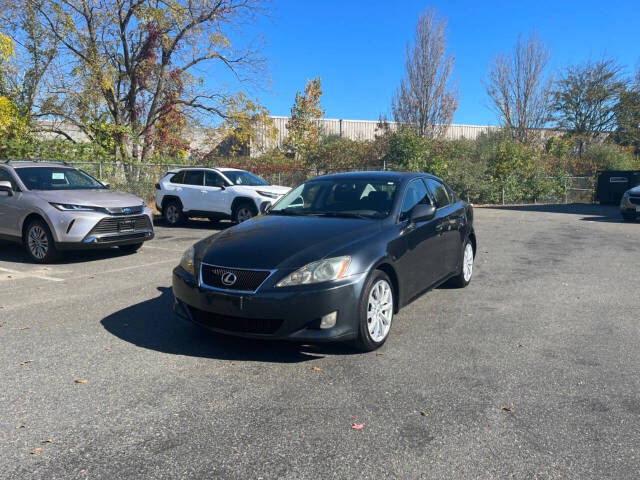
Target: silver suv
[(52, 207)]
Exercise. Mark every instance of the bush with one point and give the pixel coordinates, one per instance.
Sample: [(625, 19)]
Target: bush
[(607, 156)]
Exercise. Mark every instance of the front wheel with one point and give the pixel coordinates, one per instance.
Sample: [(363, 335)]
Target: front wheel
[(466, 269), (243, 212), (173, 213), (39, 242), (376, 312)]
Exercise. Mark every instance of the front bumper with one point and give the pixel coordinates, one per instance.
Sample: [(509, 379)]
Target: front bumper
[(630, 208), (272, 313), (80, 230)]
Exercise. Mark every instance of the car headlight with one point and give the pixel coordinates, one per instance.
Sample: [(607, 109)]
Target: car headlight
[(65, 207), (316, 272), (187, 261), (267, 194)]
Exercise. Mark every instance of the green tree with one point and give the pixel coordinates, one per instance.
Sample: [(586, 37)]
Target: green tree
[(627, 118), (584, 100), (304, 130), (133, 64)]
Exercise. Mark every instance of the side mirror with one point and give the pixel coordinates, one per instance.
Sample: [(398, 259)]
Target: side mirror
[(106, 185), (6, 187), (422, 212)]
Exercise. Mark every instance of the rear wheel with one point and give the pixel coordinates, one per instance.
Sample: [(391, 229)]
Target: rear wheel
[(376, 312), (39, 242), (243, 212), (130, 248), (173, 213)]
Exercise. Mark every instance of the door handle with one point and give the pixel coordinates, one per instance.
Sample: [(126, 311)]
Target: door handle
[(203, 191)]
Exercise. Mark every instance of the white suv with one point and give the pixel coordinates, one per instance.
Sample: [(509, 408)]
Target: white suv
[(213, 193)]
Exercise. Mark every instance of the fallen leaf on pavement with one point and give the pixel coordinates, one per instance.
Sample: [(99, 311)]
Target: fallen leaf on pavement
[(520, 345), (19, 427), (81, 380), (424, 414), (468, 314), (36, 451), (108, 349), (506, 409), (48, 440), (379, 354), (27, 362), (316, 369), (24, 328), (580, 383), (357, 426)]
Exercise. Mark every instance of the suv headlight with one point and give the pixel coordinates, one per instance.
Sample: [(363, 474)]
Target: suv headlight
[(267, 194), (66, 207), (316, 272), (187, 261)]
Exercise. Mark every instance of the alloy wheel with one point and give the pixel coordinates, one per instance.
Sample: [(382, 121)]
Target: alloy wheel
[(467, 262), (379, 311), (244, 213), (38, 242), (172, 214)]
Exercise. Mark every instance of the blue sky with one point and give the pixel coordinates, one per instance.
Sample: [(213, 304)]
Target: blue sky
[(357, 47)]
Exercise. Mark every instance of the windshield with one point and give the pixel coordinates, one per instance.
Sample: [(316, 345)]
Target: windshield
[(57, 178), (363, 198), (240, 177)]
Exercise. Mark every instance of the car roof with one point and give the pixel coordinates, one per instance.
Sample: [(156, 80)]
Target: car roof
[(385, 175), (218, 169), (34, 163)]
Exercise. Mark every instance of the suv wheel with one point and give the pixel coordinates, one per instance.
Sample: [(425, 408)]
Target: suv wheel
[(39, 242), (243, 212), (173, 213)]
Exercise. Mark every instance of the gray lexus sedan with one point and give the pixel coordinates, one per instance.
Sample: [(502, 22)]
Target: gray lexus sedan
[(50, 207)]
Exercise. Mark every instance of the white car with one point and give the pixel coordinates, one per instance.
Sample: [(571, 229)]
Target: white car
[(214, 193)]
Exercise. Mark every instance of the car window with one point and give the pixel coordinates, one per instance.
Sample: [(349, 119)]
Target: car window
[(57, 178), (362, 198), (194, 177), (439, 192), (177, 178), (242, 177), (6, 177), (213, 179), (415, 194)]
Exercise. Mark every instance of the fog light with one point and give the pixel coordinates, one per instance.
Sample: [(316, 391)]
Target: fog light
[(329, 321)]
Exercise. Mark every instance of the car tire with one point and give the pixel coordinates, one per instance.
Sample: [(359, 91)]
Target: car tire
[(375, 312), (243, 212), (130, 248), (39, 242), (173, 213), (466, 267)]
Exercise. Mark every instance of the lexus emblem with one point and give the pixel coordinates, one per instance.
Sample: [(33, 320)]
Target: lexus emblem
[(229, 278), (126, 210)]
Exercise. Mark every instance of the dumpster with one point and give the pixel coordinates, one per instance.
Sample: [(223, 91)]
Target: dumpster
[(613, 183)]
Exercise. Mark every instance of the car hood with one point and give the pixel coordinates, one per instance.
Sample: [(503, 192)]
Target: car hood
[(92, 198), (635, 190), (283, 242), (277, 189)]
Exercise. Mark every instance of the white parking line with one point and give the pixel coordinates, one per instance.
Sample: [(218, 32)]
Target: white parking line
[(116, 270), (177, 250), (17, 275)]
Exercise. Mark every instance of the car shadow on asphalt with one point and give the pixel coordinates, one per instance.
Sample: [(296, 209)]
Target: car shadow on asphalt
[(590, 212), (14, 252), (196, 223), (152, 324)]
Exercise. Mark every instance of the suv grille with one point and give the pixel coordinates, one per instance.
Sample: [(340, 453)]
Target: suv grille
[(263, 326), (635, 200), (137, 210), (122, 225), (241, 280)]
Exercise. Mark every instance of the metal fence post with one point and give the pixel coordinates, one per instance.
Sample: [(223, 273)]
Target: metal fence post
[(503, 194), (100, 170), (566, 191)]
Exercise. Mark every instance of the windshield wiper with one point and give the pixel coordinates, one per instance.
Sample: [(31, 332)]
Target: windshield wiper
[(285, 212)]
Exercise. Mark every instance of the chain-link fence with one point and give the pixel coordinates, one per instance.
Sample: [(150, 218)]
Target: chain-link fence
[(140, 179)]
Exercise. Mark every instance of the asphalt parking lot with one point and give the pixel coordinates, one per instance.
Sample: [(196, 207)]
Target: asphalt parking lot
[(530, 373)]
